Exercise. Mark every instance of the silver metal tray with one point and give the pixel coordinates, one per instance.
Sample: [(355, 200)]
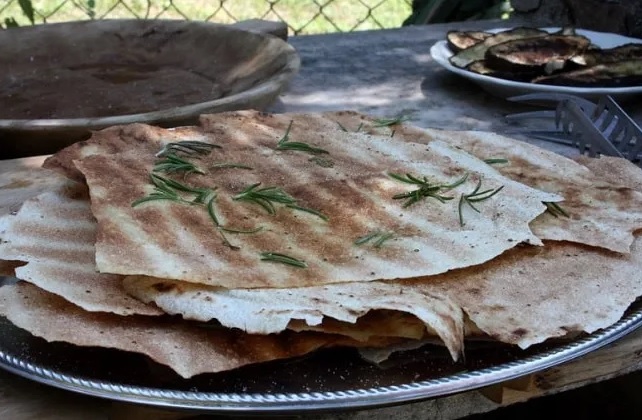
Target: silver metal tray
[(333, 379)]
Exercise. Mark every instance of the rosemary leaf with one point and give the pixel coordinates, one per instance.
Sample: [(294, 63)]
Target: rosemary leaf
[(555, 209), (211, 211), (241, 231), (378, 237), (283, 259), (285, 144), (387, 122), (265, 197), (455, 184), (167, 183), (425, 190), (366, 238), (230, 165), (307, 210), (173, 163), (494, 161), (189, 147), (382, 238), (475, 197)]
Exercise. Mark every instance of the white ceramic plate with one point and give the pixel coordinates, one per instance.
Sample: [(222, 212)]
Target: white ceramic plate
[(507, 88)]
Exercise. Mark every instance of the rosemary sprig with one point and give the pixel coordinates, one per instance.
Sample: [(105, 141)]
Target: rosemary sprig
[(308, 210), (189, 147), (283, 259), (285, 144), (555, 209), (475, 197), (346, 130), (230, 165), (167, 189), (265, 197), (173, 163), (387, 122), (494, 161), (378, 237), (425, 190)]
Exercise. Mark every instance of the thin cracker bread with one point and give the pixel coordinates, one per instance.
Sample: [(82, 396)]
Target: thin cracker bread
[(188, 349), (356, 193), (54, 234)]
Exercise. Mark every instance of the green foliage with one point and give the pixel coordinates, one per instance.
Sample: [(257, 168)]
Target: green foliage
[(27, 10), (442, 11)]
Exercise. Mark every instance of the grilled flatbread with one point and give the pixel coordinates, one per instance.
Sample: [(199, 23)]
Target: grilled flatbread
[(602, 214), (187, 349), (265, 311), (523, 297), (54, 234), (356, 194)]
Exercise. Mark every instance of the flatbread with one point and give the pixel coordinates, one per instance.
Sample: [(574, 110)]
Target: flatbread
[(114, 140), (602, 213), (523, 297), (54, 233), (614, 170), (264, 311), (355, 193), (188, 349), (21, 179)]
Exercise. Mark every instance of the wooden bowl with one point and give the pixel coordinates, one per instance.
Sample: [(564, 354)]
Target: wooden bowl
[(58, 82)]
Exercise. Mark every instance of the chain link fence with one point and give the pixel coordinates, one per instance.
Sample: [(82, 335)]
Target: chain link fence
[(302, 16)]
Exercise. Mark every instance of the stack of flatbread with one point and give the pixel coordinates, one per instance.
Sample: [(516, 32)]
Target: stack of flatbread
[(254, 237)]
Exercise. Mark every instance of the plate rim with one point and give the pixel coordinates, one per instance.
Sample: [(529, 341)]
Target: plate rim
[(440, 53), (306, 402)]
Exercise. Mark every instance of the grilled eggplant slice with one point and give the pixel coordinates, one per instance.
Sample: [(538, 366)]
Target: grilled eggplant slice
[(460, 40), (619, 74), (481, 67), (477, 52), (624, 52), (545, 54)]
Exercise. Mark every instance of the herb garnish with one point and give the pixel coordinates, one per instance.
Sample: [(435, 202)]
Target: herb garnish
[(167, 189), (555, 209), (173, 163), (346, 130), (189, 147), (426, 189), (283, 259), (285, 144), (378, 237), (475, 197), (266, 196), (230, 165), (493, 161), (387, 122), (307, 210)]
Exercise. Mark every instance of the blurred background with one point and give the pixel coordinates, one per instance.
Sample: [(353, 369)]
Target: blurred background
[(302, 16)]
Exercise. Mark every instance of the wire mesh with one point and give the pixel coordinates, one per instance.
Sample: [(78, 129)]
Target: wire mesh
[(301, 16)]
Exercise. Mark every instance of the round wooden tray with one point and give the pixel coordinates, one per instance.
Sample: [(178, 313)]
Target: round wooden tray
[(60, 81)]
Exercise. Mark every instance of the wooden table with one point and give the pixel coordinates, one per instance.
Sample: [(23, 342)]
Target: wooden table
[(384, 73)]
